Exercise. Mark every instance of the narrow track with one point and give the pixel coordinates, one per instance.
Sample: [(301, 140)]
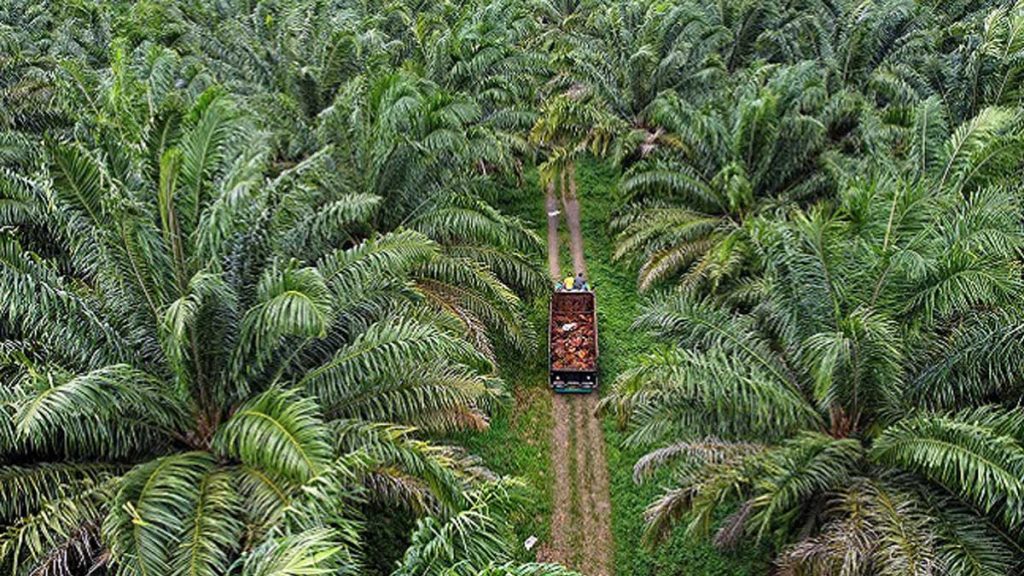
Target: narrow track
[(581, 535), (551, 206)]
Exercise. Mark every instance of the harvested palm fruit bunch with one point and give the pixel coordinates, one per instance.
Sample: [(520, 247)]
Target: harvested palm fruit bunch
[(573, 346)]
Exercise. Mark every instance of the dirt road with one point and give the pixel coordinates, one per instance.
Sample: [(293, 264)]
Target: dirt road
[(551, 206), (572, 220), (581, 535)]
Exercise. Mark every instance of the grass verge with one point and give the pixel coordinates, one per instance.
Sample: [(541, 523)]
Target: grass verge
[(618, 303), (518, 442)]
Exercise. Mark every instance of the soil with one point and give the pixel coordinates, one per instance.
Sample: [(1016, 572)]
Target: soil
[(581, 535), (572, 218), (551, 206)]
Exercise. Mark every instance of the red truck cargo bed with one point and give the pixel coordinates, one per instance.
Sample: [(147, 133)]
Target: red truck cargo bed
[(572, 342)]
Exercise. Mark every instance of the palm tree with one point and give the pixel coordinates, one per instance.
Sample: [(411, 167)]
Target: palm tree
[(287, 59), (989, 65), (635, 51), (886, 50), (689, 205), (853, 405), (862, 71), (417, 147), (471, 542), (209, 375), (430, 140)]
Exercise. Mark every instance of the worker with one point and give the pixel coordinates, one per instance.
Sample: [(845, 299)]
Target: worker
[(568, 283), (580, 282)]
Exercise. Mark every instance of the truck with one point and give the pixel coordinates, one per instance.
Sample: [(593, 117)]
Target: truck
[(572, 342)]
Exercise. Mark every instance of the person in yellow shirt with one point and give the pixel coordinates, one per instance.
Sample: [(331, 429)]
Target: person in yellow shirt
[(568, 282)]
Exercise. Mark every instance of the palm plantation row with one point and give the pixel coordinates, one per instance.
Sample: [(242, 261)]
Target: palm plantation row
[(249, 269), (254, 269), (840, 216)]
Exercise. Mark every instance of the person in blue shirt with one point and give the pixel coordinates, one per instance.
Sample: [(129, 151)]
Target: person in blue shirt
[(580, 283)]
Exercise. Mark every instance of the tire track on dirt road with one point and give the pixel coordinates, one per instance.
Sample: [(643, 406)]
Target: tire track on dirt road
[(600, 513), (551, 206), (571, 203), (583, 524), (560, 549), (581, 536)]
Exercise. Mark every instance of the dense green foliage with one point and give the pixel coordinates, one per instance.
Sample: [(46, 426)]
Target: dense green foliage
[(257, 296), (778, 104), (249, 270), (679, 554), (835, 198)]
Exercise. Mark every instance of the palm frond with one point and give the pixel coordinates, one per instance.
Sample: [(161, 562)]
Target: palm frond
[(149, 515), (309, 553), (278, 432), (212, 530), (974, 454)]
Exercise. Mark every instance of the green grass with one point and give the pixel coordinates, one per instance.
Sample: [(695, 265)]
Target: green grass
[(618, 303), (518, 442)]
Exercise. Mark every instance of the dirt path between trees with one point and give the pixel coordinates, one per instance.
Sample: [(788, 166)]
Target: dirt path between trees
[(572, 220), (551, 206), (581, 534)]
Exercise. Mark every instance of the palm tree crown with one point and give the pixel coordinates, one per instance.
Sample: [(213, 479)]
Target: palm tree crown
[(229, 332), (849, 396)]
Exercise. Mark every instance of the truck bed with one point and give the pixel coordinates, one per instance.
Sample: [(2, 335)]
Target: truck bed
[(572, 342)]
